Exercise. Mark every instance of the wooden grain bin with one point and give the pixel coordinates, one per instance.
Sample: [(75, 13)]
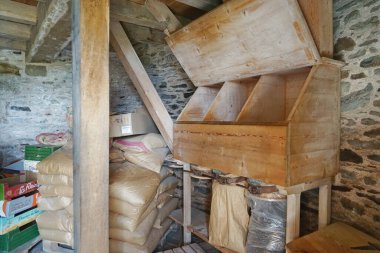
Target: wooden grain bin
[(280, 128), (243, 38)]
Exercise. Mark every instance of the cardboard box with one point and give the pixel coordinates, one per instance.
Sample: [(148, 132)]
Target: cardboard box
[(17, 183), (10, 208), (9, 224), (15, 238), (139, 122), (31, 165)]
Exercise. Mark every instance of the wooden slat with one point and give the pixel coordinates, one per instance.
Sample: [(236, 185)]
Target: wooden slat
[(266, 102), (230, 100), (186, 203), (18, 12), (255, 151), (163, 14), (293, 206), (197, 248), (205, 5), (14, 30), (199, 104), (143, 34), (324, 210), (91, 125), (319, 17), (335, 238), (178, 250), (6, 43), (129, 12), (188, 249), (143, 84), (52, 32), (183, 9), (234, 41)]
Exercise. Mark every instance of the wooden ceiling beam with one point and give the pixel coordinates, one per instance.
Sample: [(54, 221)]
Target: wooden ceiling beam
[(18, 12), (7, 43), (52, 32), (133, 13), (163, 14), (204, 5), (14, 30), (143, 34)]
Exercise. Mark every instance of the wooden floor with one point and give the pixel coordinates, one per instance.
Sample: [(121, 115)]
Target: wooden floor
[(191, 248)]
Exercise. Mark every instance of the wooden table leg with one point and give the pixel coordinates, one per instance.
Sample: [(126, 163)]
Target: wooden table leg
[(293, 216)]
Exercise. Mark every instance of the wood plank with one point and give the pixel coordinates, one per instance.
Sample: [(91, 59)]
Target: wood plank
[(134, 13), (335, 238), (197, 248), (230, 100), (294, 84), (205, 5), (52, 32), (143, 34), (224, 45), (14, 30), (199, 104), (293, 207), (183, 9), (186, 203), (164, 15), (256, 151), (141, 81), (18, 12), (324, 210), (91, 130), (266, 102), (188, 249), (178, 250), (319, 17), (6, 43)]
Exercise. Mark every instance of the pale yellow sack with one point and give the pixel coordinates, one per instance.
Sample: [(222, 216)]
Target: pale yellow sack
[(140, 235), (155, 236), (167, 184), (151, 160), (44, 179), (164, 212), (53, 203), (56, 220), (58, 163), (164, 198), (133, 184), (229, 217), (56, 191), (116, 155), (118, 220), (70, 209), (56, 236)]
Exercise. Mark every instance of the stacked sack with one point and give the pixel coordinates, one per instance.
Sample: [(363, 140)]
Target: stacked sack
[(55, 177), (141, 194)]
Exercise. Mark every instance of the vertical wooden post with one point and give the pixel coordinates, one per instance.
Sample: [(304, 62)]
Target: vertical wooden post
[(293, 216), (90, 31), (186, 203), (324, 205)]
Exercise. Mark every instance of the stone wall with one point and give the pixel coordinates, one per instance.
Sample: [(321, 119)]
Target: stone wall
[(356, 192), (34, 98)]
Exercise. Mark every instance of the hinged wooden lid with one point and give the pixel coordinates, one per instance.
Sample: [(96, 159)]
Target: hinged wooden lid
[(244, 38)]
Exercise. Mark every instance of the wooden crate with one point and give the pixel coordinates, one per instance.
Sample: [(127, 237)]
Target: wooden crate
[(281, 128), (243, 38)]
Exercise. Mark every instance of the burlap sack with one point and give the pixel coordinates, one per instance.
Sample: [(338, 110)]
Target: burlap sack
[(116, 155), (229, 217), (57, 236), (133, 184), (58, 163), (164, 212), (70, 209), (56, 220), (47, 191), (44, 179), (142, 143), (140, 235), (164, 198), (155, 236), (118, 220), (151, 160), (167, 184), (53, 203), (165, 172)]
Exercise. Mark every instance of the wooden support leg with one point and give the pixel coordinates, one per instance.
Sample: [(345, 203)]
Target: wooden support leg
[(293, 217), (186, 203), (324, 205)]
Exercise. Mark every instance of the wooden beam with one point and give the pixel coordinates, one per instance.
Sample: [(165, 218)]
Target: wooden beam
[(6, 43), (183, 9), (52, 32), (18, 12), (134, 13), (139, 77), (14, 30), (186, 204), (143, 34), (293, 216), (324, 212), (163, 14), (204, 5), (91, 124)]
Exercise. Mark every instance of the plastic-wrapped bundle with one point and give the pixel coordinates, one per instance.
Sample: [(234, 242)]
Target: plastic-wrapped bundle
[(267, 226)]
